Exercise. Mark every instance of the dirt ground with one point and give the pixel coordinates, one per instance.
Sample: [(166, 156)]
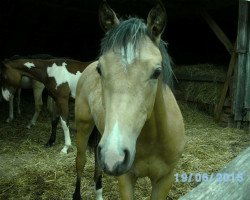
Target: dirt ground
[(30, 171)]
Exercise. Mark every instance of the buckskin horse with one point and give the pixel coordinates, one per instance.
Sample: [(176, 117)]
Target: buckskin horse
[(125, 94), (59, 75)]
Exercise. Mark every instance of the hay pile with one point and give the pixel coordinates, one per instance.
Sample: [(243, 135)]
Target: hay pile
[(30, 171), (206, 92)]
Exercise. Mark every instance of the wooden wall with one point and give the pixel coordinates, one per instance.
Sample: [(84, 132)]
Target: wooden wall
[(241, 104)]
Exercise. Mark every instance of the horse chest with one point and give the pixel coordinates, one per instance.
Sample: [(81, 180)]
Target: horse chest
[(152, 166)]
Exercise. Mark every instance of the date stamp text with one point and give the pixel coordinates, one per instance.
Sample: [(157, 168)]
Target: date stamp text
[(206, 177)]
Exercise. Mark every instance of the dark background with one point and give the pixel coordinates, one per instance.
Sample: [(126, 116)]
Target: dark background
[(70, 28)]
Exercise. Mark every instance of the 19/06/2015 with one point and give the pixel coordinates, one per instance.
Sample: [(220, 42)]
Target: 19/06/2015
[(205, 177)]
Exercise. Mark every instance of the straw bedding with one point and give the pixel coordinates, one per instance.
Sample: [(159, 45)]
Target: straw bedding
[(30, 171)]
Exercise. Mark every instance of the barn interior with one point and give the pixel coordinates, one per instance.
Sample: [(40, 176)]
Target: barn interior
[(64, 28)]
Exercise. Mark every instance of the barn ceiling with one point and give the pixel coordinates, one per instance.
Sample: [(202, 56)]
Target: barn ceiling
[(90, 6), (71, 28)]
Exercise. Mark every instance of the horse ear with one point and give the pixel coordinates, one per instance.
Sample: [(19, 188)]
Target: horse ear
[(107, 16), (156, 21)]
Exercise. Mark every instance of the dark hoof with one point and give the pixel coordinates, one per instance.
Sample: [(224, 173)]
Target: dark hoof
[(77, 196), (49, 144)]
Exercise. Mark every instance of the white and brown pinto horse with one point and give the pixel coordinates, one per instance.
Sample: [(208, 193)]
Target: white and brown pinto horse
[(59, 76), (125, 94)]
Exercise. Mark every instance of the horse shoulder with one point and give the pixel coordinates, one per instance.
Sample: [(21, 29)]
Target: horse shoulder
[(84, 90), (174, 122)]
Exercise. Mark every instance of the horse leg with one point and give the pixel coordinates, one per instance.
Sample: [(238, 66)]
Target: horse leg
[(63, 105), (19, 100), (98, 184), (161, 187), (77, 193), (37, 91), (11, 115), (65, 126), (98, 177), (54, 123), (82, 135), (127, 186)]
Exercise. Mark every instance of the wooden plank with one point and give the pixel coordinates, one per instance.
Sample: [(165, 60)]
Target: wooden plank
[(236, 188), (247, 90), (219, 107), (238, 101), (218, 31)]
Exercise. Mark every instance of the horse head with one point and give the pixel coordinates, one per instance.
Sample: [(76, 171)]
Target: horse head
[(130, 68)]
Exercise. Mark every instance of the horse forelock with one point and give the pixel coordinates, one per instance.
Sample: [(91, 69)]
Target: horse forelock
[(127, 36), (124, 36)]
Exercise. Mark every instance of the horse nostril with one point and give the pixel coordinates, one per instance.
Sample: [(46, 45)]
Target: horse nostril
[(99, 157), (98, 151), (126, 157)]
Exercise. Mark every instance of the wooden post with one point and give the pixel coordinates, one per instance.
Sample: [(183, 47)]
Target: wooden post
[(247, 88), (232, 50), (242, 80)]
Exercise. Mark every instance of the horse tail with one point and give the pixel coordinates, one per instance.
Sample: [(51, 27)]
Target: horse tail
[(94, 139)]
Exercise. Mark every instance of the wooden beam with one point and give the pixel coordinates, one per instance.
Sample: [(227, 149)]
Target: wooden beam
[(232, 182), (218, 31), (232, 63)]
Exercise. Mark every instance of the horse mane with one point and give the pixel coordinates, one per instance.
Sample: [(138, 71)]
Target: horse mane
[(132, 31)]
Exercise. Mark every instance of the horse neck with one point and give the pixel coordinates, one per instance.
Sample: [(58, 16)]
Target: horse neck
[(168, 118), (160, 106), (155, 125)]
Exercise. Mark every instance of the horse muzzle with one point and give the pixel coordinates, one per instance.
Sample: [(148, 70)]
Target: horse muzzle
[(114, 162)]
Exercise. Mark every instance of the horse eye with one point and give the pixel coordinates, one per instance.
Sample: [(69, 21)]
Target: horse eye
[(98, 69), (156, 74)]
